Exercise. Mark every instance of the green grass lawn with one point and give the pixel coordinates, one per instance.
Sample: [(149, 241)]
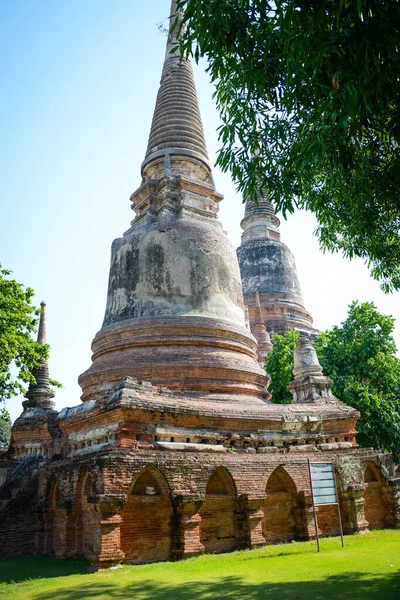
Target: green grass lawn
[(367, 568)]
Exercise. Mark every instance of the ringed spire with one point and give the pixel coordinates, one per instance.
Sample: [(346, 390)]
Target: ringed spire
[(39, 393), (176, 128)]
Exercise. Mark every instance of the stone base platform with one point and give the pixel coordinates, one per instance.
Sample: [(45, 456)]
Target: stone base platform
[(141, 474)]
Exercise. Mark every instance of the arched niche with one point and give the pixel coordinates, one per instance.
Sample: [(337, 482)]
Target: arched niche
[(280, 508), (376, 506), (82, 522), (146, 518), (54, 521), (217, 513)]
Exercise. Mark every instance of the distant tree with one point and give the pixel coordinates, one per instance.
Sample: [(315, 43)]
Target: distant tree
[(280, 366), (360, 357), (5, 428), (309, 96), (19, 353)]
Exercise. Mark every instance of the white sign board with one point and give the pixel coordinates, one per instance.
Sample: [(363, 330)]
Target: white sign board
[(323, 483), (324, 492)]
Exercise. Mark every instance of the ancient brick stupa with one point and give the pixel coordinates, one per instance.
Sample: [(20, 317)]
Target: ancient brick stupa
[(39, 393), (176, 448), (268, 269), (34, 432), (175, 313)]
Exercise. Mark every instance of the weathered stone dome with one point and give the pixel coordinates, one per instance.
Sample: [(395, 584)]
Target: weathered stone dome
[(268, 266), (175, 315), (171, 268)]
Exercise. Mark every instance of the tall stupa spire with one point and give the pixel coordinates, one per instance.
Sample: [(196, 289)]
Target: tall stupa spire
[(176, 129), (42, 331), (173, 27), (176, 174), (175, 311), (39, 393)]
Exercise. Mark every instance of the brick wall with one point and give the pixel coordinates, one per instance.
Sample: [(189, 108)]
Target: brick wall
[(20, 523), (144, 505)]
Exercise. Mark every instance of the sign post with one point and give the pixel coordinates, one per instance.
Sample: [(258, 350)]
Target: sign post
[(324, 491)]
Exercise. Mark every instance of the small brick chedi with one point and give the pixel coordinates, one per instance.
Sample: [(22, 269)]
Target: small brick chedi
[(176, 448)]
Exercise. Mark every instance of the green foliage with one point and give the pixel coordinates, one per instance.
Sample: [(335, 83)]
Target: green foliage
[(5, 428), (19, 352), (308, 93), (54, 384), (360, 357), (280, 366)]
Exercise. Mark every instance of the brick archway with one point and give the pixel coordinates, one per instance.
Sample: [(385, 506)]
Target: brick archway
[(146, 519), (376, 507), (81, 523), (55, 520), (280, 507), (217, 513)]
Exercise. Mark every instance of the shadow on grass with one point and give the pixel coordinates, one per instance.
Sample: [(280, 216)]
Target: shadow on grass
[(37, 567), (251, 555), (354, 586)]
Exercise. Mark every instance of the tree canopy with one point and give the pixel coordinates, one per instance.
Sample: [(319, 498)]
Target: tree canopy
[(360, 357), (308, 93), (19, 353)]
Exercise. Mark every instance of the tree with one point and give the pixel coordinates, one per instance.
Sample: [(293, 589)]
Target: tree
[(360, 357), (308, 92), (280, 366), (19, 353)]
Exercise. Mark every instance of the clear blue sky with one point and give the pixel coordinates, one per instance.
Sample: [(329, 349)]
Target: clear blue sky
[(78, 83)]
